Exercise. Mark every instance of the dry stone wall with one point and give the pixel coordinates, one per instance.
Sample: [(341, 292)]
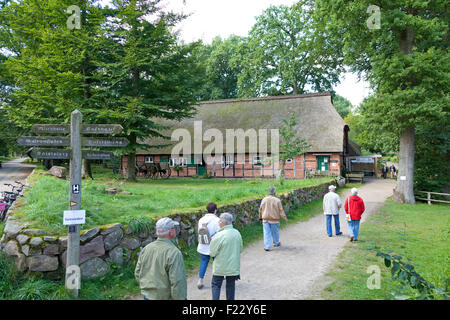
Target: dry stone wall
[(37, 252)]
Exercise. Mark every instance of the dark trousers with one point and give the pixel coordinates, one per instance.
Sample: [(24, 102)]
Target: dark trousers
[(216, 284)]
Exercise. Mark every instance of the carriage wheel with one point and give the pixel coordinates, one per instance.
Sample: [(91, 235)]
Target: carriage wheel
[(165, 173)]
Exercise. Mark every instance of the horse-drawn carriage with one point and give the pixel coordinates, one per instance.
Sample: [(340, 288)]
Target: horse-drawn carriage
[(153, 170)]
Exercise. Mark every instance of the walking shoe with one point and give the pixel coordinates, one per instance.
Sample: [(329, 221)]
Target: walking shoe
[(338, 234), (277, 245), (351, 238), (200, 285), (266, 249)]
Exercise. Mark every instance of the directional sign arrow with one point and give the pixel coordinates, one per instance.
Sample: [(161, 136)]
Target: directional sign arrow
[(104, 142), (85, 128), (97, 155), (44, 141), (51, 128), (101, 128), (40, 153)]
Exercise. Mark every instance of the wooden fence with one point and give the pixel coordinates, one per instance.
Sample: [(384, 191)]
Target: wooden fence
[(428, 198)]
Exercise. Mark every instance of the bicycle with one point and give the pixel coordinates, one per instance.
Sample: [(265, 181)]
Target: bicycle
[(9, 197)]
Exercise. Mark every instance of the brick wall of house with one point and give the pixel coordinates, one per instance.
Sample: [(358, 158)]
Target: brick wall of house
[(294, 169)]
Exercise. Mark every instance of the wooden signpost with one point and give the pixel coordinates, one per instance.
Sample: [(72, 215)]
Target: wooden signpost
[(74, 215)]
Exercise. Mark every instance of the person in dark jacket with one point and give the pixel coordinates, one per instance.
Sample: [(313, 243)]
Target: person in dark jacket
[(392, 170), (354, 207), (384, 171)]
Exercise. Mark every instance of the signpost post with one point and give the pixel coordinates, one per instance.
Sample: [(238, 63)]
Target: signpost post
[(74, 217)]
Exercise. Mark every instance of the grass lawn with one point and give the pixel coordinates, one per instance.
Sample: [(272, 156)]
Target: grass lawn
[(419, 232), (44, 203), (119, 283)]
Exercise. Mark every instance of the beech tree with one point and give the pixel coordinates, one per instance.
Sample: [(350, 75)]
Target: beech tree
[(406, 60), (287, 54)]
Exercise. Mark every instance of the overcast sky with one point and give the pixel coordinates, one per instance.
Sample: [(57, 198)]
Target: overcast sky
[(211, 18)]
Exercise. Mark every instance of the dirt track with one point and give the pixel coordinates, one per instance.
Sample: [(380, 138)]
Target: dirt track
[(14, 170), (296, 269)]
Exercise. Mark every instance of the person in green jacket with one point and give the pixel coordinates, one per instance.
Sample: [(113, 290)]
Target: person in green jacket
[(225, 249), (160, 269)]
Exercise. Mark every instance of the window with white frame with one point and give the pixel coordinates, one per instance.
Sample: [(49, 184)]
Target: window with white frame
[(257, 160), (149, 159), (182, 162), (227, 161)]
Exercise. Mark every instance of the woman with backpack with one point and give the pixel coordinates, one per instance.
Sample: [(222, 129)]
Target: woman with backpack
[(354, 207), (208, 225)]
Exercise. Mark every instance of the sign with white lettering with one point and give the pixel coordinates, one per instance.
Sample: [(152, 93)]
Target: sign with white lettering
[(85, 128), (72, 217), (101, 128), (44, 141), (51, 128), (97, 155), (104, 142), (75, 188), (41, 153)]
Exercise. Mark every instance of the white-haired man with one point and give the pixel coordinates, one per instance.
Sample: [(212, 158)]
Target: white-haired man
[(270, 212), (160, 269), (226, 248), (331, 205)]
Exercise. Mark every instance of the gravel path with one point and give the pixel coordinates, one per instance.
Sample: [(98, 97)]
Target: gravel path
[(14, 170), (296, 269)]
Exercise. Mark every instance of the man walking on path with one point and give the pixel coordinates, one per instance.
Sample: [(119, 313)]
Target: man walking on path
[(225, 249), (270, 212), (331, 205), (392, 170), (384, 171), (160, 268), (354, 206), (208, 225)]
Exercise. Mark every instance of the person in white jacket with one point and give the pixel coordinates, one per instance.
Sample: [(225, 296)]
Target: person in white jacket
[(208, 225), (331, 205)]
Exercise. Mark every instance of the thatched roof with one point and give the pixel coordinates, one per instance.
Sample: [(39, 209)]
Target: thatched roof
[(317, 120)]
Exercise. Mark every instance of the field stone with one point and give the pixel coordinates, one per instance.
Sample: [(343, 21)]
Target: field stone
[(89, 235), (146, 241), (63, 242), (113, 239), (51, 249), (130, 243), (12, 229), (42, 263), (111, 228), (49, 239), (11, 248), (36, 241), (22, 239), (92, 249), (59, 172), (117, 255), (34, 232), (21, 262), (93, 268)]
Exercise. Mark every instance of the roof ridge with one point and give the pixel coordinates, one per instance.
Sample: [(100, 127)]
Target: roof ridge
[(292, 96)]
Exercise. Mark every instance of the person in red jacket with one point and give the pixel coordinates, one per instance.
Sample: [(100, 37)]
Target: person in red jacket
[(354, 207)]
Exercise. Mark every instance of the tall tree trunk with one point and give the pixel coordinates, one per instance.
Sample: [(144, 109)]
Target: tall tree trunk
[(404, 192), (131, 164), (86, 169)]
